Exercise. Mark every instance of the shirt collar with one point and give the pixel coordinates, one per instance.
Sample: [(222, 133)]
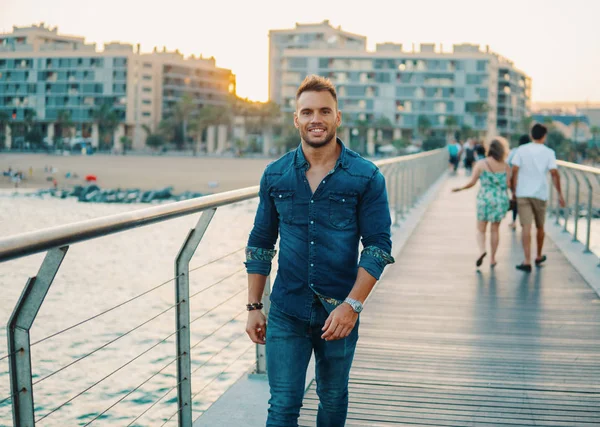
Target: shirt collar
[(300, 160)]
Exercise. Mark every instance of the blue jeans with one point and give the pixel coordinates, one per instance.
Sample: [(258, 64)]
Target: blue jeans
[(290, 343)]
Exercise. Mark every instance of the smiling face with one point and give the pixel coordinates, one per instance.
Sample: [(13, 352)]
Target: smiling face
[(317, 118)]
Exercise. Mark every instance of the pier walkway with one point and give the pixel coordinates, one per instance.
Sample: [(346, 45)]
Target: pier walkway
[(442, 344)]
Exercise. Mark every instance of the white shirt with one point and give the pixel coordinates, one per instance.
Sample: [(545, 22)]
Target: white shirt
[(534, 161)]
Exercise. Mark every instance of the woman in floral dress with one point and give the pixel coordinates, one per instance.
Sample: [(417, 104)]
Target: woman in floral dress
[(492, 199)]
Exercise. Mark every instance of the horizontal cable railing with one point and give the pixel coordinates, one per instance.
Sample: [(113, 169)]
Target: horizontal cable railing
[(407, 179), (581, 191)]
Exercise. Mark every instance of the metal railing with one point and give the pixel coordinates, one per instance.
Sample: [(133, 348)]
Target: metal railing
[(581, 191), (407, 178)]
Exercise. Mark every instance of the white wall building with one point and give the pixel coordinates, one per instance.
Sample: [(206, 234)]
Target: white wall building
[(480, 88)]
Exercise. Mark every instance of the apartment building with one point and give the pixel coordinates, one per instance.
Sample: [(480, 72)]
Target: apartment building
[(477, 87), (48, 72)]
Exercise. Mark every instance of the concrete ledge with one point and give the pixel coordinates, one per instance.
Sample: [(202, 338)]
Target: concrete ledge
[(246, 402), (586, 264)]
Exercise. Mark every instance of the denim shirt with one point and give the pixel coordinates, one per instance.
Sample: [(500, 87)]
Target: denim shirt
[(320, 232)]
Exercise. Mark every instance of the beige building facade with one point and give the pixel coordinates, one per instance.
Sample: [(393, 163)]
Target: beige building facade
[(48, 73)]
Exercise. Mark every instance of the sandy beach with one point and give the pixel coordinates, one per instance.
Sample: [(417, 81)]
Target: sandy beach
[(201, 174)]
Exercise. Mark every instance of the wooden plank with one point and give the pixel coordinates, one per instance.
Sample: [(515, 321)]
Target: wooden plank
[(443, 345)]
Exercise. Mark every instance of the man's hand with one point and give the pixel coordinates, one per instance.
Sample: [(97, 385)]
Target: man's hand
[(340, 323), (561, 201), (256, 328)]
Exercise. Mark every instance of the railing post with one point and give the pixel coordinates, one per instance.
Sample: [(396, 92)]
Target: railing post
[(19, 345), (557, 204), (261, 350), (182, 295), (397, 194), (566, 208), (589, 214), (576, 214), (551, 199)]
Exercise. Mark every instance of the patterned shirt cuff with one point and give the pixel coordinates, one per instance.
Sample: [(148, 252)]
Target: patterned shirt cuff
[(258, 260), (374, 260), (378, 253), (259, 254)]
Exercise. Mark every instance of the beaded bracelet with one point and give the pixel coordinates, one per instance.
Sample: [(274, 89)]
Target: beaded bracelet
[(254, 306)]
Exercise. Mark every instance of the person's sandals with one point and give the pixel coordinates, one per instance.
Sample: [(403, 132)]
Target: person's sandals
[(538, 262), (480, 259), (524, 267)]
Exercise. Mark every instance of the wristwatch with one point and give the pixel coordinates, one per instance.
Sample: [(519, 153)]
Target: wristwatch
[(356, 305)]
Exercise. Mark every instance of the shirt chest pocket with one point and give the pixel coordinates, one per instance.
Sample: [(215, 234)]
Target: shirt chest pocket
[(342, 209), (283, 201)]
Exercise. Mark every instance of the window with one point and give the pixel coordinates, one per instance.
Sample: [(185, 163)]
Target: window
[(146, 89), (482, 66), (323, 62), (146, 114), (475, 79), (146, 101), (297, 62), (355, 91), (147, 65), (146, 77)]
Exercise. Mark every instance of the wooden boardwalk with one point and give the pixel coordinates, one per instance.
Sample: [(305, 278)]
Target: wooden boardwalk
[(444, 345)]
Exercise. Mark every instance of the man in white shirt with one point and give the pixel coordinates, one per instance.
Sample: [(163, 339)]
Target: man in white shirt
[(531, 164)]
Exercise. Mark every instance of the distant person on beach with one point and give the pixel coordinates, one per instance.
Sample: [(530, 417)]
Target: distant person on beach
[(492, 199), (524, 139), (531, 164), (320, 199)]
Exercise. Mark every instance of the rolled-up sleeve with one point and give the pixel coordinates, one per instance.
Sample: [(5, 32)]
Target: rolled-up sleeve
[(375, 223), (260, 250)]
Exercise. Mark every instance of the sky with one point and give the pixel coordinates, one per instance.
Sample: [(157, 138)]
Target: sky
[(556, 42)]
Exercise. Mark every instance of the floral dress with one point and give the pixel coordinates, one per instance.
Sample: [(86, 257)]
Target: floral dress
[(492, 199)]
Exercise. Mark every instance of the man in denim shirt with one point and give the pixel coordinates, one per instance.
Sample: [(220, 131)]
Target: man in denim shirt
[(321, 199)]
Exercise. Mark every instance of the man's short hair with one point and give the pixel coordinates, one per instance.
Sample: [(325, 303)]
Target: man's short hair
[(538, 131), (314, 83), (524, 139)]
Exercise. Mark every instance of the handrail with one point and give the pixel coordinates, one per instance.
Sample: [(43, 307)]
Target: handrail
[(580, 168), (25, 244), (587, 175)]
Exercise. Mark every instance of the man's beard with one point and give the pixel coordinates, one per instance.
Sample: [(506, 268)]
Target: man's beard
[(305, 135)]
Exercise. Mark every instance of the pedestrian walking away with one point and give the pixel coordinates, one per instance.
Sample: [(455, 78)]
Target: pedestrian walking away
[(531, 164), (492, 199), (319, 199), (524, 139)]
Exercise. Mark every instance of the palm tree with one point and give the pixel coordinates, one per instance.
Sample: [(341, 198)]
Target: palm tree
[(64, 123), (108, 121), (269, 115), (576, 122), (4, 121), (423, 125), (525, 124), (153, 140), (205, 118), (362, 127), (451, 124), (182, 114), (549, 122), (595, 131), (383, 124)]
